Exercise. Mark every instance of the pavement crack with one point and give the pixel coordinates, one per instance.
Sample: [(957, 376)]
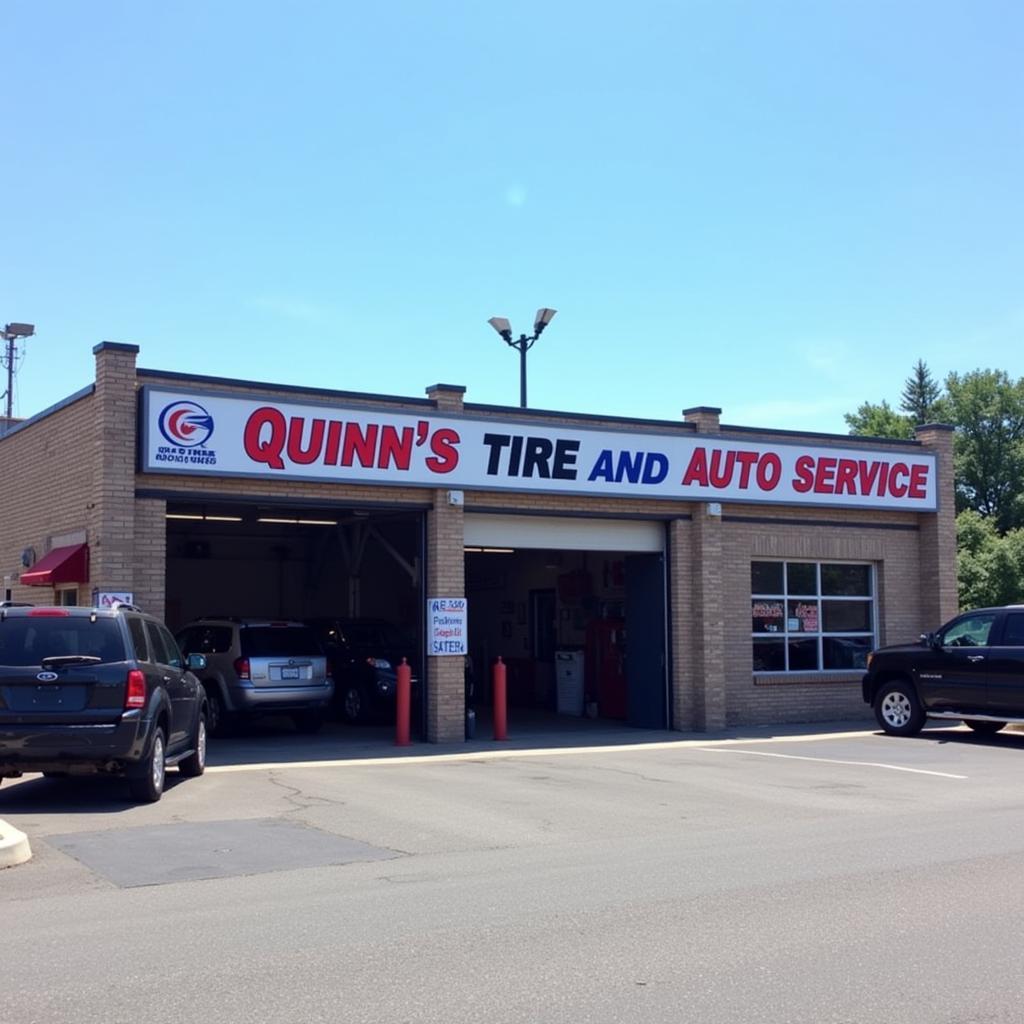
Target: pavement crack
[(301, 801), (635, 775)]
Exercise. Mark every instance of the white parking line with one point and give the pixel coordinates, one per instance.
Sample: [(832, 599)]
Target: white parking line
[(829, 760), (509, 754)]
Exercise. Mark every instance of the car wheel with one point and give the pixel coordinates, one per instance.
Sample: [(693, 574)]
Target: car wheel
[(353, 707), (983, 727), (897, 709), (308, 722), (146, 783), (195, 764), (216, 714)]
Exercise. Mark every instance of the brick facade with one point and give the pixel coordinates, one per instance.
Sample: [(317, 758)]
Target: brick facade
[(88, 445)]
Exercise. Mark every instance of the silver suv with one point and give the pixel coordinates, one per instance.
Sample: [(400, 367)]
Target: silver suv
[(258, 666)]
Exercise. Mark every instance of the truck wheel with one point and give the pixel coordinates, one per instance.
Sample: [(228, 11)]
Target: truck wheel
[(146, 783), (983, 727), (897, 709)]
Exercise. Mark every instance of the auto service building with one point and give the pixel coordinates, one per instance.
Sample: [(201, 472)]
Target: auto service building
[(682, 575)]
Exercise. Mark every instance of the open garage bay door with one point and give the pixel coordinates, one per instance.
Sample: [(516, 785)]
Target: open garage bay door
[(576, 607)]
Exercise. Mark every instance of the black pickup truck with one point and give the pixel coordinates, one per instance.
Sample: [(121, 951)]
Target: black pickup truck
[(971, 669)]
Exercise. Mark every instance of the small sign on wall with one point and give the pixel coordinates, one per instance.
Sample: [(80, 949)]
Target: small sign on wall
[(446, 626), (110, 599)]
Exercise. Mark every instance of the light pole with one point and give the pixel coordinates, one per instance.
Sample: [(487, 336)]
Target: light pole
[(523, 343), (11, 333)]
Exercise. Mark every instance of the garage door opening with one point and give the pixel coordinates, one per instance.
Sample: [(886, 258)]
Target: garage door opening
[(353, 576), (576, 609)]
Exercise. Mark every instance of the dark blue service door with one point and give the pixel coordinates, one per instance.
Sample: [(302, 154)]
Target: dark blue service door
[(645, 642)]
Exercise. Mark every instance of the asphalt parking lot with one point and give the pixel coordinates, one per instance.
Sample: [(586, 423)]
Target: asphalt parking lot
[(796, 874)]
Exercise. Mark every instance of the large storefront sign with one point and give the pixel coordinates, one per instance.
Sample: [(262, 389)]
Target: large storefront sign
[(222, 435)]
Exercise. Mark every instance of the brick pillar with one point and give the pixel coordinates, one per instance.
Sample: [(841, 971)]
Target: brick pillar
[(682, 641), (708, 629), (446, 577), (704, 417), (937, 536), (112, 511), (707, 619), (151, 556)]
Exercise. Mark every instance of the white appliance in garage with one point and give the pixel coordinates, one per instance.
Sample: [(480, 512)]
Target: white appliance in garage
[(569, 682)]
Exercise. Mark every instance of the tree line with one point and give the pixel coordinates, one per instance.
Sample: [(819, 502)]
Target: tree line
[(986, 408)]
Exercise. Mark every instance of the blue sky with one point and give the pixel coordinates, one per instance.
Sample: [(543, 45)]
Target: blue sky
[(773, 207)]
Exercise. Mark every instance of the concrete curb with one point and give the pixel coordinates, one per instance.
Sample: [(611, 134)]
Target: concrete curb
[(14, 846)]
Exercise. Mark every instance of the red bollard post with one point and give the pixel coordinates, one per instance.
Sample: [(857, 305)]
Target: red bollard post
[(500, 701), (403, 705)]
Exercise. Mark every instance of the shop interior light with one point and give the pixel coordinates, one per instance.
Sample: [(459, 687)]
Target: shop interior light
[(490, 551), (195, 517), (297, 522)]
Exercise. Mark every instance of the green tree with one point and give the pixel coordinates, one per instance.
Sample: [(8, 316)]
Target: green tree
[(987, 409), (990, 566), (922, 395), (880, 420)]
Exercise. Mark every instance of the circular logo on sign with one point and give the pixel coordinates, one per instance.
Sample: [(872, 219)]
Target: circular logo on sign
[(186, 424)]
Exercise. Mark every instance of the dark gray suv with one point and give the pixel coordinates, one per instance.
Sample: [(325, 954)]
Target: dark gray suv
[(260, 666), (98, 690)]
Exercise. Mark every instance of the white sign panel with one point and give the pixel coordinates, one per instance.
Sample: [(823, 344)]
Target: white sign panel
[(446, 626), (222, 435), (106, 599)]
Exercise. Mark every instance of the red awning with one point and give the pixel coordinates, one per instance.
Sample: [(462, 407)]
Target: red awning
[(61, 565)]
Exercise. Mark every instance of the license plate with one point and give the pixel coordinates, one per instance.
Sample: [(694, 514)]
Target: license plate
[(289, 673)]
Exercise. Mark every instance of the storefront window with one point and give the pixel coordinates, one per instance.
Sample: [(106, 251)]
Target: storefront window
[(811, 616)]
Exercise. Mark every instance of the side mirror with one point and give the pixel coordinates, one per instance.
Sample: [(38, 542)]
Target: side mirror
[(931, 640), (196, 662)]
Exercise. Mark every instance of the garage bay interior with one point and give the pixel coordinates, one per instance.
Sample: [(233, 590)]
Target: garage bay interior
[(576, 608), (361, 569)]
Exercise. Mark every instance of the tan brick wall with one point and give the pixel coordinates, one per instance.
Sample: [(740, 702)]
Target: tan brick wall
[(687, 682), (938, 579), (112, 516), (47, 475), (759, 699), (150, 556), (446, 577)]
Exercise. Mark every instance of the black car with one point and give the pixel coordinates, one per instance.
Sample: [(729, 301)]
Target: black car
[(86, 690), (971, 669), (363, 655)]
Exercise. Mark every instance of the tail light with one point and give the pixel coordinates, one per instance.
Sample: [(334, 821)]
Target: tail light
[(242, 668), (135, 694)]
